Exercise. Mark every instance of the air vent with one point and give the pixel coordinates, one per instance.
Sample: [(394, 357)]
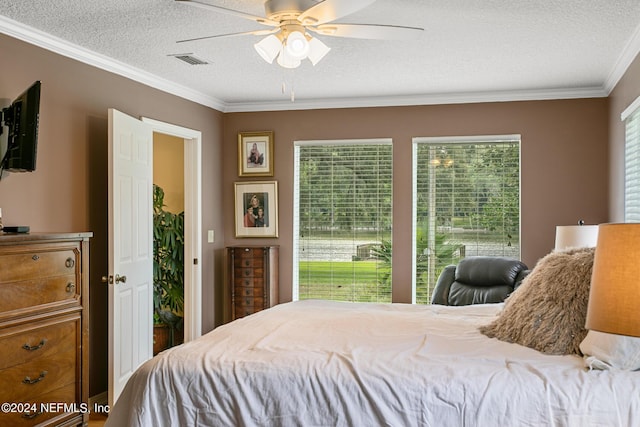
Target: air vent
[(189, 59)]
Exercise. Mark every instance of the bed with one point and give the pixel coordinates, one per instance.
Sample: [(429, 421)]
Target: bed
[(323, 363)]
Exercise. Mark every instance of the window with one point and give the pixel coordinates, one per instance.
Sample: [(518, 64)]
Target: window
[(631, 117), (342, 220), (466, 203)]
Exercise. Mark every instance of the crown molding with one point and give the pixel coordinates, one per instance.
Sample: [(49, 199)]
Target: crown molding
[(628, 55), (411, 100), (62, 47)]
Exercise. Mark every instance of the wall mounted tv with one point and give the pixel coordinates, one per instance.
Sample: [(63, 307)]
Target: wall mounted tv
[(21, 118)]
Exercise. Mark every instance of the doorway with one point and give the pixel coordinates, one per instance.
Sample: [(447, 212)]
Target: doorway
[(168, 241), (190, 141)]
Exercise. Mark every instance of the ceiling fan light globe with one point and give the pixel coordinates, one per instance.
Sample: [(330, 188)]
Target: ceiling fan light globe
[(297, 45), (287, 61), (317, 50), (268, 48)]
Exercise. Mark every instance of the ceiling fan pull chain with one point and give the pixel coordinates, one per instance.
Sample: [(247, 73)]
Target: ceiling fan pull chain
[(292, 85)]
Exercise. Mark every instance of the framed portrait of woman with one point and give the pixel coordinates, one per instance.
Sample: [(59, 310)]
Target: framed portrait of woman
[(256, 209), (255, 153)]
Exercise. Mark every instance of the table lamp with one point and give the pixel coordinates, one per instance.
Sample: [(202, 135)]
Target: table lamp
[(614, 297), (576, 236)]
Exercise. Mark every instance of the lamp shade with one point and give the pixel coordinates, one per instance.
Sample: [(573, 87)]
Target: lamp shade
[(287, 61), (297, 46), (317, 50), (576, 236), (614, 297), (268, 48)]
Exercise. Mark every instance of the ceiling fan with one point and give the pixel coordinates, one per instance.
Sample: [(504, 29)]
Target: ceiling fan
[(292, 20)]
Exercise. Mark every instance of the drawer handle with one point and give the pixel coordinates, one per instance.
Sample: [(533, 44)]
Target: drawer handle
[(30, 415), (35, 347), (35, 257), (70, 262), (70, 288), (28, 380)]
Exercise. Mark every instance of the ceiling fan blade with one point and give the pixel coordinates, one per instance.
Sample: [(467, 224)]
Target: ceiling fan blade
[(207, 6), (245, 33), (368, 31), (329, 10)]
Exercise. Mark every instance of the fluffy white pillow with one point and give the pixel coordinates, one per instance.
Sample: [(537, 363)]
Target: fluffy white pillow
[(607, 351)]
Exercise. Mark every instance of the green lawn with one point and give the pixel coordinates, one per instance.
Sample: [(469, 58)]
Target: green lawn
[(348, 280)]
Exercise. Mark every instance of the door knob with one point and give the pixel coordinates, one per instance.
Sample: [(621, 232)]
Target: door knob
[(109, 279)]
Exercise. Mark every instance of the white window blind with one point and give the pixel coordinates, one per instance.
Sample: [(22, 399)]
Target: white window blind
[(342, 220), (466, 203), (632, 167)]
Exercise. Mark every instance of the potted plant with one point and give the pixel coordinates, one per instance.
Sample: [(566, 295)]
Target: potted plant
[(168, 272)]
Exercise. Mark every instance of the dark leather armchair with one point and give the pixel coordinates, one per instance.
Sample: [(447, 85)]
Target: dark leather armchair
[(478, 280)]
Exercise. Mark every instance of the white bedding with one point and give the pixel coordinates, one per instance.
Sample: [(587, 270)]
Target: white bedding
[(321, 363)]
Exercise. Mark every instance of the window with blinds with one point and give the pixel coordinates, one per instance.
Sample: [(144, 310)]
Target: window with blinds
[(631, 118), (466, 203), (342, 220)]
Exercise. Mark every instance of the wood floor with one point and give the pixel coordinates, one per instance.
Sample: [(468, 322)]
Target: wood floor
[(97, 420)]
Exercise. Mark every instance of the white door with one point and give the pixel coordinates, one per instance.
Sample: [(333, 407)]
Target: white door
[(130, 248)]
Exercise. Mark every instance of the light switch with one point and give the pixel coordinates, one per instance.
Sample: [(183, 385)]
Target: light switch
[(210, 237)]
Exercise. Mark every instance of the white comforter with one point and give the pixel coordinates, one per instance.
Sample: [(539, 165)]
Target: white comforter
[(320, 363)]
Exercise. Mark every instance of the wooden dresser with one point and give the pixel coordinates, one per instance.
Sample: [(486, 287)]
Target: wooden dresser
[(44, 329), (253, 278)]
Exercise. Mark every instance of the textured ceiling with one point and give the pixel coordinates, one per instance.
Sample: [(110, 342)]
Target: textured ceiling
[(470, 51)]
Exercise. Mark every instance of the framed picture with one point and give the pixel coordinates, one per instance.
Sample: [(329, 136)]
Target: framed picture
[(256, 209), (255, 153)]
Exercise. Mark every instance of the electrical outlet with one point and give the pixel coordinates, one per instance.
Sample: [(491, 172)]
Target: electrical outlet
[(210, 236)]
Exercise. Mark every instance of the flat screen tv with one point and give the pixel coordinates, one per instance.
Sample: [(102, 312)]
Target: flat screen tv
[(21, 118)]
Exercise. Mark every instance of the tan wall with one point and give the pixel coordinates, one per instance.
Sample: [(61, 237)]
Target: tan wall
[(68, 190), (564, 164), (168, 170), (625, 92)]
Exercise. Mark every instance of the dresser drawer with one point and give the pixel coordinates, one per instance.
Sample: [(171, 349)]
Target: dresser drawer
[(248, 262), (249, 282), (249, 305), (34, 294), (246, 253), (244, 311), (38, 340), (64, 395), (249, 272), (255, 302), (27, 381), (249, 292), (36, 264)]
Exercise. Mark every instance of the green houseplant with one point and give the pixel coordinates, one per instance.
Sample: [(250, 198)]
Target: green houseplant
[(168, 265)]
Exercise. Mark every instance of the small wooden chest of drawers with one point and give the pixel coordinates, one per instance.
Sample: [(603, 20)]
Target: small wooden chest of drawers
[(253, 278), (44, 328)]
